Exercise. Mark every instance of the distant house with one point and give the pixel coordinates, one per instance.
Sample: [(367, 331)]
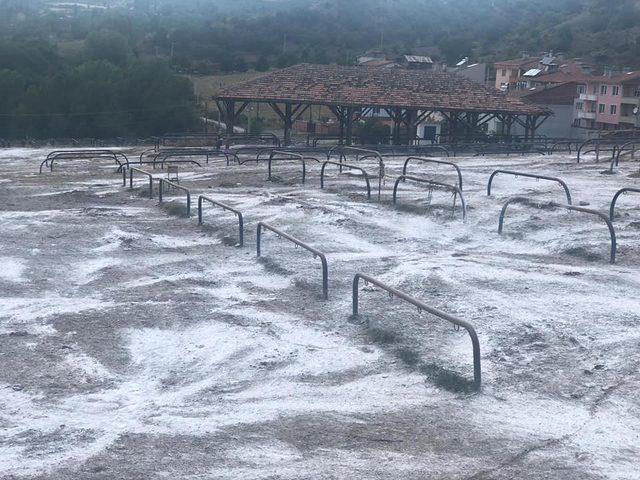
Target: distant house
[(560, 100), (418, 62), (527, 71), (510, 72), (478, 72), (608, 102)]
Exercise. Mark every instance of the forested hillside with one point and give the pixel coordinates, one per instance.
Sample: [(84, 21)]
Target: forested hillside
[(59, 64)]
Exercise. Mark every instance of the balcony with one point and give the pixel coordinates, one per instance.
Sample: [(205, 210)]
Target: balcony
[(630, 119), (587, 115), (587, 97), (630, 100)]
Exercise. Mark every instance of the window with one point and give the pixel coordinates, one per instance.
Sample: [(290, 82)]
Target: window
[(613, 109), (637, 92), (601, 108), (603, 89), (615, 90), (579, 106), (504, 72), (595, 89), (582, 89)]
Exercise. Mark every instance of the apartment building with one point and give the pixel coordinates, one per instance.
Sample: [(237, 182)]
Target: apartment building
[(608, 102)]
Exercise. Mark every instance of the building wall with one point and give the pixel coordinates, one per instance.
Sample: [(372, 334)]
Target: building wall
[(476, 73), (510, 75), (608, 100)]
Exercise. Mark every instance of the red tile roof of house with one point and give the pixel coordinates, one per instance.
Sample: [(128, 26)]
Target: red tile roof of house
[(334, 85)]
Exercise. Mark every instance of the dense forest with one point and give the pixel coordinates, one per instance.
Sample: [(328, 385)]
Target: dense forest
[(112, 68)]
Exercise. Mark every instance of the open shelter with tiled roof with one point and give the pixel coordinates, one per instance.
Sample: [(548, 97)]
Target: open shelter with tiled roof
[(408, 96)]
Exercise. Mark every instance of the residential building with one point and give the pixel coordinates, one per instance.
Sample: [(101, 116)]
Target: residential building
[(559, 99), (608, 102), (529, 72), (478, 72)]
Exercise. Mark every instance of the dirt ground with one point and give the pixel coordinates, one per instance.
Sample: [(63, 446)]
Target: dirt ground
[(136, 344)]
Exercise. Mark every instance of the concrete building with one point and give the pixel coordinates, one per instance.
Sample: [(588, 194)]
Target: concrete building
[(608, 102)]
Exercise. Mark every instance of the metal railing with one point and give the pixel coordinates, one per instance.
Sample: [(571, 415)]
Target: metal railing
[(529, 175), (350, 167), (629, 147), (226, 207), (361, 154), (143, 172), (315, 252), (280, 155), (84, 155), (477, 374), (605, 218), (624, 191), (438, 162), (178, 187), (454, 188)]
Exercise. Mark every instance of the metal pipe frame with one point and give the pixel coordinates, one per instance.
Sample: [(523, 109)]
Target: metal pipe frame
[(605, 218), (165, 155), (84, 155), (456, 191), (178, 187), (83, 151), (601, 144), (158, 153), (238, 213), (615, 161), (477, 371), (351, 167), (143, 172), (507, 148), (288, 156), (568, 143), (315, 252), (431, 160), (266, 137), (624, 191), (367, 154), (529, 175)]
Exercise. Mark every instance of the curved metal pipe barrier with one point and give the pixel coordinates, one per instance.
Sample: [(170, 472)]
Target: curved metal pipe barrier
[(367, 153), (477, 372), (526, 201), (530, 175), (178, 187), (83, 155), (432, 160), (288, 156), (612, 208), (143, 172), (280, 233), (350, 167), (456, 190), (615, 161), (238, 213)]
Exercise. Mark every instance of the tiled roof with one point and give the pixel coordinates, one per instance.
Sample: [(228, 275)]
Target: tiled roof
[(519, 62), (374, 87), (562, 77)]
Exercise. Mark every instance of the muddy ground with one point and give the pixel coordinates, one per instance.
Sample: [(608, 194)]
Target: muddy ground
[(136, 344)]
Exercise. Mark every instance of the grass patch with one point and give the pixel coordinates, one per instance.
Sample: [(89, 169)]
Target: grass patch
[(271, 266), (408, 356), (447, 379), (381, 335), (583, 253), (175, 209)]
